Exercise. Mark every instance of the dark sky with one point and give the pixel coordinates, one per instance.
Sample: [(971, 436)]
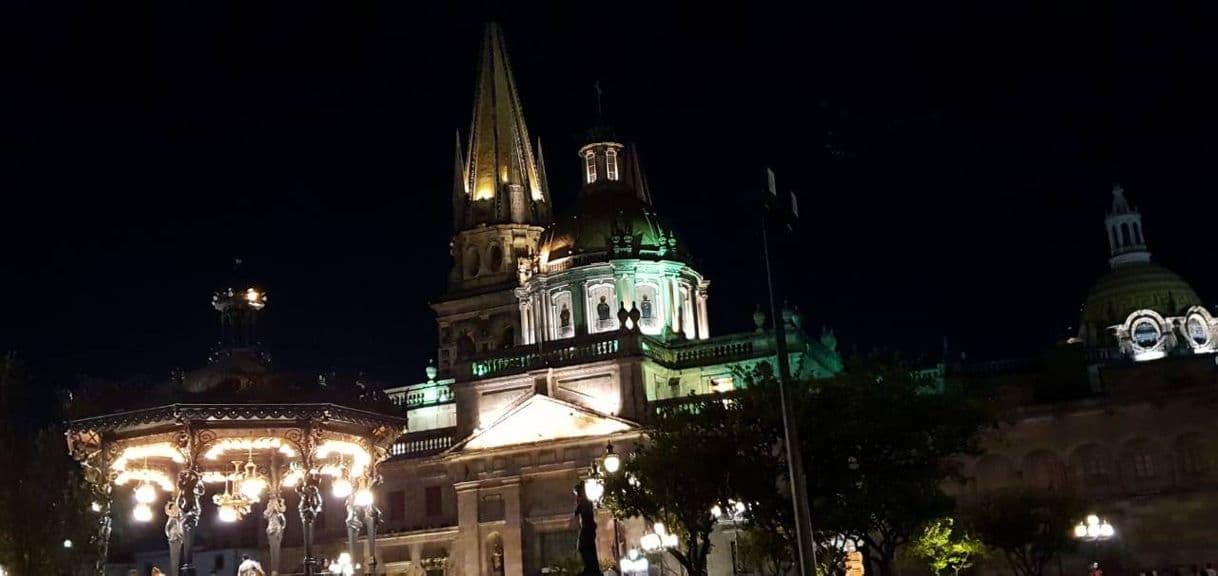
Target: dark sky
[(953, 160)]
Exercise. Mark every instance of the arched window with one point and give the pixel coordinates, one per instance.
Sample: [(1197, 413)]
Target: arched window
[(590, 166), (1116, 242), (508, 338), (1125, 234), (1137, 233), (611, 164)]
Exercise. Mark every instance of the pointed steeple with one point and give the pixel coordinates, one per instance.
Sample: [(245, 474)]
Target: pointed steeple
[(541, 170), (1125, 240), (501, 182), (460, 188)]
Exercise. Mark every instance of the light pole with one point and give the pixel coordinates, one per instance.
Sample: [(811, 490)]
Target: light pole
[(594, 488), (1095, 530), (805, 552)]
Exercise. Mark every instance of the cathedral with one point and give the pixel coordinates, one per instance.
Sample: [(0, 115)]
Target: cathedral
[(1121, 415), (559, 334)]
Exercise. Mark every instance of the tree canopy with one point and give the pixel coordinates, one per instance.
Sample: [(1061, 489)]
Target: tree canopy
[(1030, 527), (45, 504)]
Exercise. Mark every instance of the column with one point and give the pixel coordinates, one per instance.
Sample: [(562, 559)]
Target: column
[(579, 307), (310, 507), (189, 491), (467, 555), (703, 320), (275, 522), (354, 525), (372, 515), (513, 546), (103, 492)]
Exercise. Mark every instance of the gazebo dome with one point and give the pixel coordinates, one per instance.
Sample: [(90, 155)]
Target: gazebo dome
[(1134, 287)]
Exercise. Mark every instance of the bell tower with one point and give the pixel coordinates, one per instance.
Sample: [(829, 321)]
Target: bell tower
[(501, 205), (501, 201)]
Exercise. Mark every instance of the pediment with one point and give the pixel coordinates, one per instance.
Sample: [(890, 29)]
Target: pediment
[(541, 418)]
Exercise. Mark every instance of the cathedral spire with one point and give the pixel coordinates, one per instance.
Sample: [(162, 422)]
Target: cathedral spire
[(1124, 225), (500, 180), (460, 187)]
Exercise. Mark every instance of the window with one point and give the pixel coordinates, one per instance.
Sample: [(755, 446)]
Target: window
[(1125, 240), (432, 505), (650, 317), (603, 306), (397, 506), (611, 164), (564, 322), (590, 165)]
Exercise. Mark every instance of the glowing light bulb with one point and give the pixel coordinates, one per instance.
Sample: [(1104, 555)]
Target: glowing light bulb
[(95, 506), (594, 489), (252, 487), (363, 497), (341, 487), (145, 494), (142, 513), (1080, 530), (227, 513), (1106, 530), (612, 463)]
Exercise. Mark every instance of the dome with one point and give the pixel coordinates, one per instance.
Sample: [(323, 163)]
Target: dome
[(609, 224), (1126, 289)]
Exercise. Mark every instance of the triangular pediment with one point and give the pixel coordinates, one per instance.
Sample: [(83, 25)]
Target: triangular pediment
[(540, 418)]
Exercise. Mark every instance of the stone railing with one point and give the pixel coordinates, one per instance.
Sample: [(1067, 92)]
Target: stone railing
[(687, 404), (414, 445), (555, 353)]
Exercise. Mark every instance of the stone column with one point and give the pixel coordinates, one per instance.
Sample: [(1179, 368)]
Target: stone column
[(189, 491), (310, 507), (513, 546), (467, 555), (703, 320)]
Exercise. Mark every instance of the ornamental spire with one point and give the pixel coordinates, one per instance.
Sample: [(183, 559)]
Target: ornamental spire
[(500, 181)]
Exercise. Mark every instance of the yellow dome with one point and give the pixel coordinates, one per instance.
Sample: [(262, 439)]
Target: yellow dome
[(1126, 289)]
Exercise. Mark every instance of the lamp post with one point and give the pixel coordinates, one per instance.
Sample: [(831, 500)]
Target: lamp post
[(594, 487), (805, 551), (1095, 530)]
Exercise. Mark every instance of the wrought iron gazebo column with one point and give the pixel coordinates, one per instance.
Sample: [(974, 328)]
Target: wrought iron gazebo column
[(102, 538), (174, 535), (275, 521), (189, 491), (371, 516), (310, 507), (353, 526)]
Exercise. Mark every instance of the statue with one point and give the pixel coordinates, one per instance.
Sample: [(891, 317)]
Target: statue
[(602, 310), (564, 317), (645, 308), (586, 544)]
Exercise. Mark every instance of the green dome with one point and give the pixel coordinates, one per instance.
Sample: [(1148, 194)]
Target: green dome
[(609, 223), (1129, 288)]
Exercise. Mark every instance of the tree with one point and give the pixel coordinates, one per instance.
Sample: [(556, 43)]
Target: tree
[(768, 551), (1030, 527), (44, 503), (877, 443), (946, 547), (701, 456)]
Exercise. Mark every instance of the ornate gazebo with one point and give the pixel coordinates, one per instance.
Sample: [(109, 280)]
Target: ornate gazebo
[(238, 433)]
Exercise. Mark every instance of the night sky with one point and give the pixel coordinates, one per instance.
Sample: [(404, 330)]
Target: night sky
[(953, 160)]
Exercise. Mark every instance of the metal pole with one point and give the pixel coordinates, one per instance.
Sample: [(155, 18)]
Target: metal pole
[(805, 552)]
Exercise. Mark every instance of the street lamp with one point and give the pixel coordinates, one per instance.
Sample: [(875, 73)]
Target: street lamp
[(633, 562), (342, 566), (594, 486), (67, 543), (612, 462), (1095, 530)]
